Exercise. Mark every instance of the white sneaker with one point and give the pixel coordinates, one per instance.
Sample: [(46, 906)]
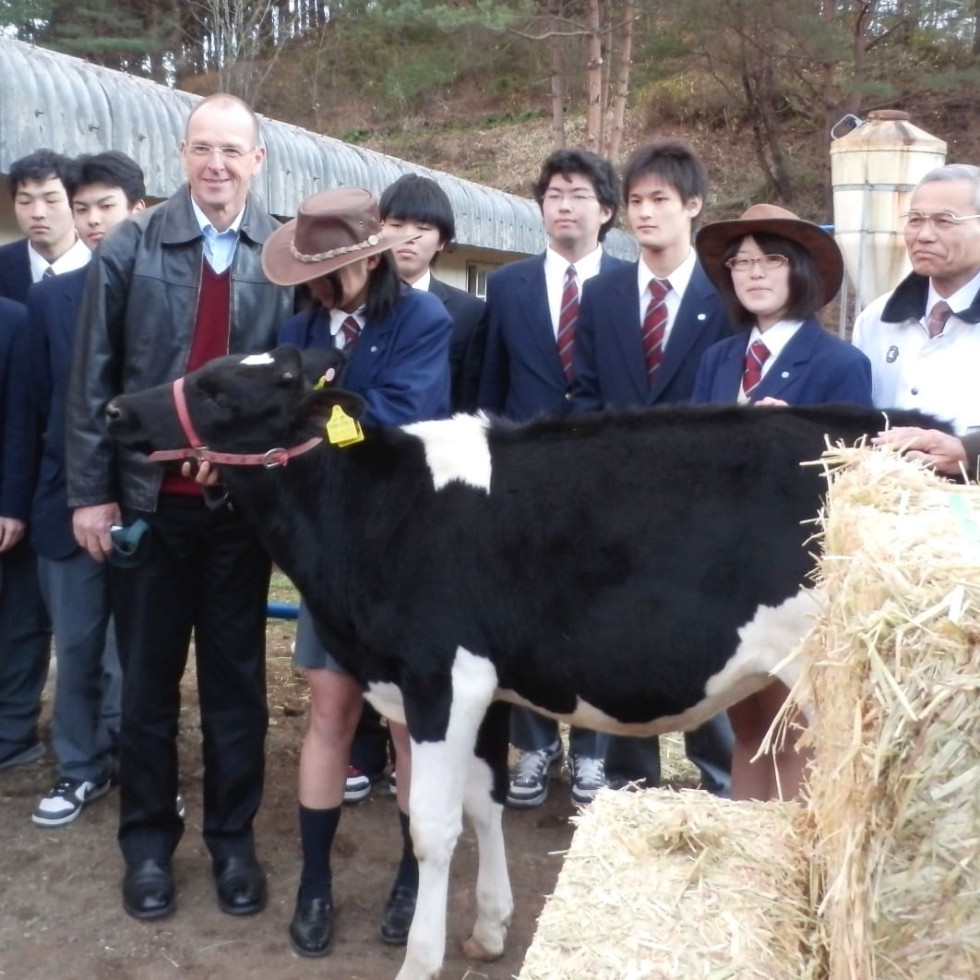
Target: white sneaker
[(530, 777), (588, 777), (67, 800), (357, 788)]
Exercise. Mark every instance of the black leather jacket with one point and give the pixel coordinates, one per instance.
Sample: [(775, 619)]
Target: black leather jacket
[(135, 329)]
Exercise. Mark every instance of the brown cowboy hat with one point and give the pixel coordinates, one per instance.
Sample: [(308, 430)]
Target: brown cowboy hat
[(331, 229), (713, 241)]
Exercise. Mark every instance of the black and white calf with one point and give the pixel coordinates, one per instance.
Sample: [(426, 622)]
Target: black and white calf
[(632, 573)]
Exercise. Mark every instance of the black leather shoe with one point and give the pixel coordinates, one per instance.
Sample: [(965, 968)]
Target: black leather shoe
[(397, 918), (241, 885), (148, 889), (311, 931)]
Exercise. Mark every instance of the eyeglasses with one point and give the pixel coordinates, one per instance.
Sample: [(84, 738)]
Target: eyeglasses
[(228, 152), (941, 220), (741, 263), (577, 197)]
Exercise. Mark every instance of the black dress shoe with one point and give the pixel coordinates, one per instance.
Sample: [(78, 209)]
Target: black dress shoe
[(311, 931), (148, 889), (397, 918), (241, 885)]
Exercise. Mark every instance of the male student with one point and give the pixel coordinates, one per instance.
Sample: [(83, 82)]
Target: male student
[(532, 311), (641, 332), (50, 245), (418, 206), (104, 190)]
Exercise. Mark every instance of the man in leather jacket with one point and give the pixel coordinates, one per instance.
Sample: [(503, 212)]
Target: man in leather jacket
[(166, 292)]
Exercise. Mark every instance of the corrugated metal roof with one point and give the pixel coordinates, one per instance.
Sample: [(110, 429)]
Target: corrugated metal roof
[(54, 100)]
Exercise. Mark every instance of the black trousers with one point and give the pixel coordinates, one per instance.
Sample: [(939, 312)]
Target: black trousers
[(205, 574)]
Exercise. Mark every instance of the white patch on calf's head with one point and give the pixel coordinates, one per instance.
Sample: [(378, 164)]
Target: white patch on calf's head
[(456, 449), (257, 360)]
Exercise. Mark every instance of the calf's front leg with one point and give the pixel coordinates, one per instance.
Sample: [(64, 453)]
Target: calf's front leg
[(439, 772)]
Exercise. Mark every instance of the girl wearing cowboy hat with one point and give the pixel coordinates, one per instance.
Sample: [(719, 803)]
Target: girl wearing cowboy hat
[(775, 272), (397, 339)]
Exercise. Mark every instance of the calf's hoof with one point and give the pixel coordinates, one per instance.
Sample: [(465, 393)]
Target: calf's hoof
[(475, 950)]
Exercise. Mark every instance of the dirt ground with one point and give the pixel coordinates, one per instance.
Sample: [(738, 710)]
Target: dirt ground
[(60, 906)]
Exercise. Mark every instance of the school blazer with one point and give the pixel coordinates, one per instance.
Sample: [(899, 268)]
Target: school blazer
[(814, 368), (522, 375), (609, 364)]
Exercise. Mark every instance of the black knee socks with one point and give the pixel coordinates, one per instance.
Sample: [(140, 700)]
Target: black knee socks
[(316, 832)]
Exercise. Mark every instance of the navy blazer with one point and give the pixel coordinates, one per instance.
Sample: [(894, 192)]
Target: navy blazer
[(15, 446), (15, 271), (522, 375), (52, 312), (609, 364), (814, 368), (400, 365), (468, 342)]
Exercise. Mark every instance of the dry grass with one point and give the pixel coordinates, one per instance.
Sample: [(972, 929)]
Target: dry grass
[(662, 885), (892, 671)]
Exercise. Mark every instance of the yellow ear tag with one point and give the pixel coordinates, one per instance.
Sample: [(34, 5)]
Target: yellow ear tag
[(342, 430)]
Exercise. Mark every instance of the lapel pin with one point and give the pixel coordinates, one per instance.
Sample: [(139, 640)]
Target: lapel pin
[(702, 316), (785, 374), (892, 355)]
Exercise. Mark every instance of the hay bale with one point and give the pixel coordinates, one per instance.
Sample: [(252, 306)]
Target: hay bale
[(893, 673), (661, 885)]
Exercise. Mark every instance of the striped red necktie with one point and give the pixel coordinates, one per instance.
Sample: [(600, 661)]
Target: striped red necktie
[(655, 326), (351, 330), (755, 357), (567, 318)]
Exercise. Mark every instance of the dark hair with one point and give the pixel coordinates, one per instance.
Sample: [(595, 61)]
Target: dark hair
[(805, 285), (37, 167), (599, 172), (674, 162), (416, 198), (383, 292), (112, 168)]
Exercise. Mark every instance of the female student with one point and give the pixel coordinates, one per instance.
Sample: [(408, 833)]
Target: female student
[(397, 341), (774, 272)]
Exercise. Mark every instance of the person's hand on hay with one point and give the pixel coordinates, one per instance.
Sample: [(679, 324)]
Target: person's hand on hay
[(943, 452)]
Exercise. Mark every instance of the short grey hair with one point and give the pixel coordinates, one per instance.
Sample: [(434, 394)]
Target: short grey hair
[(956, 171)]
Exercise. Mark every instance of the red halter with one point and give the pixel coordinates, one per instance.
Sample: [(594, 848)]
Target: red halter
[(197, 450)]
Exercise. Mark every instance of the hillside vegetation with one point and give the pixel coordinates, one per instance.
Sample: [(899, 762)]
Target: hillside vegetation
[(474, 101), (479, 88)]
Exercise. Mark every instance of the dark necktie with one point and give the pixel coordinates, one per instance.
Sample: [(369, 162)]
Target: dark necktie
[(48, 273), (938, 316), (755, 357), (655, 326), (351, 330), (566, 321)]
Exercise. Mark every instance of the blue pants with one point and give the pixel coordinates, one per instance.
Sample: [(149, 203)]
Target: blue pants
[(708, 747), (25, 646), (530, 731), (88, 684)]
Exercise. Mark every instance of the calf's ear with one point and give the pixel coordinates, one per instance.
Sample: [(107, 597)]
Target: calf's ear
[(323, 367), (318, 404)]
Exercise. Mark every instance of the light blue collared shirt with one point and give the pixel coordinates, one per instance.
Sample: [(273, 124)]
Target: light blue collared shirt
[(219, 246)]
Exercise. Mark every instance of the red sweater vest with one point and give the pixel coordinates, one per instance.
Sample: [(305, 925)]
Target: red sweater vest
[(210, 340)]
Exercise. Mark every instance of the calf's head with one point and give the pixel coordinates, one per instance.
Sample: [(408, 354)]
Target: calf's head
[(236, 404)]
